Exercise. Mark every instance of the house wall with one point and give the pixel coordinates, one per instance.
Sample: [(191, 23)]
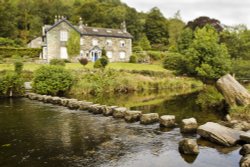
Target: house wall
[(53, 44), (115, 48), (35, 43)]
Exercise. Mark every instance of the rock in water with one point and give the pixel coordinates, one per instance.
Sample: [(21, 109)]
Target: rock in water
[(189, 146), (245, 137), (245, 161), (149, 118), (167, 121), (233, 92), (119, 112), (245, 150), (132, 116), (219, 134), (189, 125)]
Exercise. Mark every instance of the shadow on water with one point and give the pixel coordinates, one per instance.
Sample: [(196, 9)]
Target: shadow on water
[(36, 134)]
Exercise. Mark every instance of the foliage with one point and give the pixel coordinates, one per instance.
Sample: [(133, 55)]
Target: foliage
[(11, 84), (58, 62), (52, 80), (144, 43), (175, 61), (156, 27), (241, 69), (98, 64), (83, 61), (210, 98), (175, 28), (133, 59), (202, 21), (7, 52), (137, 49), (156, 55), (104, 61), (4, 42), (184, 41), (18, 67), (73, 46), (207, 58)]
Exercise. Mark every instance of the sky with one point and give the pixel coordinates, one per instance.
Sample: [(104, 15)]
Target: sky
[(229, 12)]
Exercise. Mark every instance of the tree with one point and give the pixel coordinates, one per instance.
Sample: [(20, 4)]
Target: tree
[(202, 21), (156, 27), (184, 40), (73, 44), (144, 43), (206, 58)]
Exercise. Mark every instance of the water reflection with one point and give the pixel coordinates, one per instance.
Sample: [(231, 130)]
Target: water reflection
[(40, 134)]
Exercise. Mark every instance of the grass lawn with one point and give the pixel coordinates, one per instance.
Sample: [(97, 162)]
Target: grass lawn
[(73, 66)]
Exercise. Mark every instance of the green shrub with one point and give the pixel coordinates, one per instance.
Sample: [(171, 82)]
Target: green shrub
[(11, 84), (18, 67), (133, 59), (104, 61), (8, 52), (137, 49), (52, 80), (57, 62), (175, 61), (156, 55), (98, 64), (210, 98)]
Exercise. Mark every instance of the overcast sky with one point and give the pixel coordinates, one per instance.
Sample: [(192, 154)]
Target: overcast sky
[(229, 12)]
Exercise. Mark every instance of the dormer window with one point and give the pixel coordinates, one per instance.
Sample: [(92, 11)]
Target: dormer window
[(109, 42), (64, 36), (94, 42), (122, 44)]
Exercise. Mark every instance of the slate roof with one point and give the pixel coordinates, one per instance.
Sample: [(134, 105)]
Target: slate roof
[(93, 31)]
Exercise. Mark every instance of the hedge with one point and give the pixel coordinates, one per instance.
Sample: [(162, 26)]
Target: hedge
[(8, 52)]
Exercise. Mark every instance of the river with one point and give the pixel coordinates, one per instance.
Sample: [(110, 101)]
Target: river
[(36, 134)]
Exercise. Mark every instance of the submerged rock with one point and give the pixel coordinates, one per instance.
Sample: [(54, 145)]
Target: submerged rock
[(189, 146), (167, 121), (119, 112), (189, 125), (132, 116), (219, 134), (149, 118)]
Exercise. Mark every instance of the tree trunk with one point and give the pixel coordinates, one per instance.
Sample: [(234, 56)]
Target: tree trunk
[(233, 92)]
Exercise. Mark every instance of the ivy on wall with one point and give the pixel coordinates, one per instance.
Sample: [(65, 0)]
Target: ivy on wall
[(73, 44)]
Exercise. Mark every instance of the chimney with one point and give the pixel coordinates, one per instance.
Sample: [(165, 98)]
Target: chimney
[(80, 23), (123, 26)]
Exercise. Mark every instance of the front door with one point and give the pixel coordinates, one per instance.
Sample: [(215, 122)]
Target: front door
[(64, 53), (95, 56)]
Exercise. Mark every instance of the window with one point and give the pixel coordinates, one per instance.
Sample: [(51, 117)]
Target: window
[(122, 55), (95, 30), (109, 31), (63, 35), (109, 54), (94, 42), (81, 53), (81, 41), (122, 44), (109, 42)]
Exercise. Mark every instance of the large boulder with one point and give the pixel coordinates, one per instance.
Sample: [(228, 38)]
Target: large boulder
[(149, 118), (245, 137), (189, 146), (94, 108), (219, 134), (73, 104), (108, 110), (245, 149), (245, 161), (233, 91), (189, 125), (55, 100), (85, 105), (119, 112), (132, 116), (167, 121)]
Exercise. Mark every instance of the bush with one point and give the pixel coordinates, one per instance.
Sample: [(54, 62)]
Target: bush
[(133, 59), (137, 49), (210, 98), (98, 64), (18, 67), (7, 52), (57, 62), (11, 84), (83, 61), (52, 80), (175, 61), (155, 55)]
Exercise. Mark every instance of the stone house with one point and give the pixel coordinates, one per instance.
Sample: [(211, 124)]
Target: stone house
[(35, 43), (116, 42)]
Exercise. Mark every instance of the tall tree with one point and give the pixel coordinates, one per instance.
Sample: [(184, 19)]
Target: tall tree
[(156, 27)]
